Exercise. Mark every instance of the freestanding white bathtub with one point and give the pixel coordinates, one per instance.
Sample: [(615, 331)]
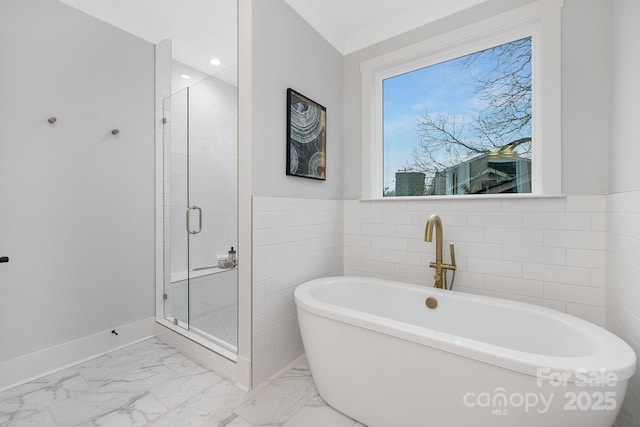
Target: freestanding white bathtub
[(379, 355)]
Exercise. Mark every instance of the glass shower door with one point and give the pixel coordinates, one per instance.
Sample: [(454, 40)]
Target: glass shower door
[(212, 190), (176, 200), (200, 216)]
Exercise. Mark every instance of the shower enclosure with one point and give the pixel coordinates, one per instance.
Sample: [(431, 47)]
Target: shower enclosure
[(200, 213)]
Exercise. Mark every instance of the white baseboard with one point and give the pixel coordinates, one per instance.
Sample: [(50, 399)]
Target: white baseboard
[(279, 373), (243, 380), (22, 369), (199, 353)]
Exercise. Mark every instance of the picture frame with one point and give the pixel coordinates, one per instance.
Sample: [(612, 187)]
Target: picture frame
[(306, 137)]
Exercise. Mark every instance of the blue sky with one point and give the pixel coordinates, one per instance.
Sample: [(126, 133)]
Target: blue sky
[(447, 88)]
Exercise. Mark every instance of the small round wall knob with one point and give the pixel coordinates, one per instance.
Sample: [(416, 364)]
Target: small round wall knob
[(52, 119), (115, 131)]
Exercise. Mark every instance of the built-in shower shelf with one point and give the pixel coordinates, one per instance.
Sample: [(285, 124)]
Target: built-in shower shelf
[(183, 275)]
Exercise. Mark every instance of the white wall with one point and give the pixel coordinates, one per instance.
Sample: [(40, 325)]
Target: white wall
[(77, 202), (288, 53), (623, 214), (585, 96), (294, 238)]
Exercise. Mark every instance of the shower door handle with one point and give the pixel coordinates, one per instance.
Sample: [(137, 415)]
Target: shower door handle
[(189, 209)]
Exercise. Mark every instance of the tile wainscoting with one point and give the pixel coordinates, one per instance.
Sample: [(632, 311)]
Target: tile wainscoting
[(294, 240), (545, 251), (623, 287)]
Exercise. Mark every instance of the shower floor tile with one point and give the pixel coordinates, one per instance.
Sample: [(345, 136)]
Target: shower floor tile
[(151, 384), (221, 323)]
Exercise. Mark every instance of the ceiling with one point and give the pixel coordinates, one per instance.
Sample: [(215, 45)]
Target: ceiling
[(351, 25), (199, 30), (204, 29)]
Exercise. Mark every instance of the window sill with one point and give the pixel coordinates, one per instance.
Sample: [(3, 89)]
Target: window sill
[(467, 197)]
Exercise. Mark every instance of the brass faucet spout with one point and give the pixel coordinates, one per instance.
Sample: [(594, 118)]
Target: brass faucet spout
[(435, 222)]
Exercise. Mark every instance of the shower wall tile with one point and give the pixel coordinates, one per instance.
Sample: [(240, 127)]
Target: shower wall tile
[(210, 142), (546, 251), (294, 240), (201, 295)]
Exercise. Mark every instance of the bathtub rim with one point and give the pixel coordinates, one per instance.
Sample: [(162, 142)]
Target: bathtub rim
[(610, 352)]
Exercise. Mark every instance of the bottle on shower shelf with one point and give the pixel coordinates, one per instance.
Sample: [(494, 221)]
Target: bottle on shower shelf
[(232, 256), (221, 261)]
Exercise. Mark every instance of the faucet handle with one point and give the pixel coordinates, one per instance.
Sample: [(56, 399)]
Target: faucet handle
[(452, 251)]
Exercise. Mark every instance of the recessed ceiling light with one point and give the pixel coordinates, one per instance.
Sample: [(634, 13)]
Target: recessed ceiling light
[(215, 61), (184, 76)]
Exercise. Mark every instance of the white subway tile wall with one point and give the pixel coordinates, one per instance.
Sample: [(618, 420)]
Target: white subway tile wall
[(623, 286), (294, 240), (505, 248), (548, 251), (212, 151)]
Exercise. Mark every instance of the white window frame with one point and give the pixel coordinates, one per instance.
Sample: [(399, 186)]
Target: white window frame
[(542, 22)]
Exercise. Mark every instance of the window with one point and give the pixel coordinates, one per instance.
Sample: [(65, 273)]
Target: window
[(475, 111), (464, 124)]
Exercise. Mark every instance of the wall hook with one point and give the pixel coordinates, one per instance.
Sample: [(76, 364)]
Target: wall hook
[(115, 131), (52, 119)]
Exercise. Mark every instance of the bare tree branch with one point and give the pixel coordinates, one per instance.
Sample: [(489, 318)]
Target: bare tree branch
[(505, 88)]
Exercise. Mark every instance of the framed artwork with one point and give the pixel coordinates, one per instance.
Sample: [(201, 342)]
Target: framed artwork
[(306, 137)]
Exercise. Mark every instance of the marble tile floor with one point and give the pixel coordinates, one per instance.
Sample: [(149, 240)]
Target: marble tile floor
[(152, 384)]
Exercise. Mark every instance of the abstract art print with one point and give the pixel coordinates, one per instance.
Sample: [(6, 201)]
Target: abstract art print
[(306, 137)]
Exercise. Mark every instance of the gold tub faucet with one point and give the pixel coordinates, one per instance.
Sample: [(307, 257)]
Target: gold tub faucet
[(440, 278)]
